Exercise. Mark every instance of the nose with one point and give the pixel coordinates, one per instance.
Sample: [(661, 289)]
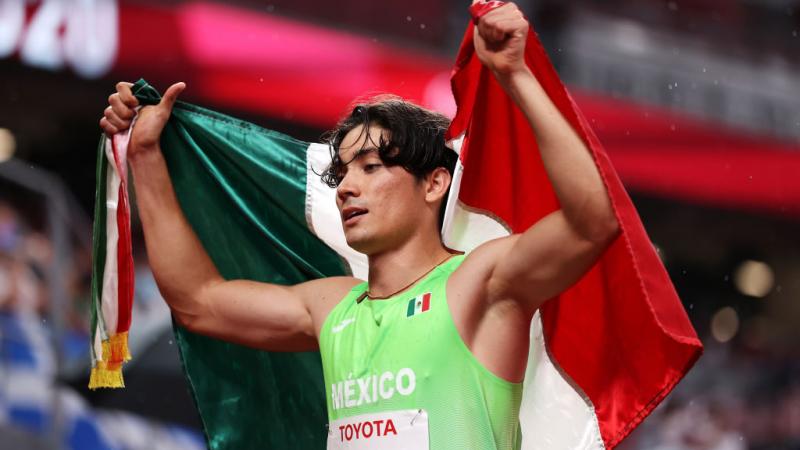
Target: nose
[(348, 187)]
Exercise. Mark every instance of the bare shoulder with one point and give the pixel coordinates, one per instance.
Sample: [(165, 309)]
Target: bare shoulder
[(468, 286), (479, 264), (320, 296)]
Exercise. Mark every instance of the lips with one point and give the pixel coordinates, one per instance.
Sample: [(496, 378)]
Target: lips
[(351, 212)]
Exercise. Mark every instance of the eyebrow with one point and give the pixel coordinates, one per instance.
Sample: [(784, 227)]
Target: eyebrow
[(342, 169), (363, 152)]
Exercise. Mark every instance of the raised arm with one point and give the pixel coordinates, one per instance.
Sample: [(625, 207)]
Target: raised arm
[(260, 315), (554, 253)]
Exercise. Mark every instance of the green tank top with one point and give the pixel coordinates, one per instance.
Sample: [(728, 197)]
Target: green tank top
[(404, 355)]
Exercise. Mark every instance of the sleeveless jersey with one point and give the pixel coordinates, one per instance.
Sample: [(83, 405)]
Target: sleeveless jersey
[(399, 364)]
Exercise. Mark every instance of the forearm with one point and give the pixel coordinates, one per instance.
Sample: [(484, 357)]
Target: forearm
[(180, 264), (566, 158)]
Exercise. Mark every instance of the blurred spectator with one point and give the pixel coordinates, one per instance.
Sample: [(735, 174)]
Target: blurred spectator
[(36, 410), (731, 400)]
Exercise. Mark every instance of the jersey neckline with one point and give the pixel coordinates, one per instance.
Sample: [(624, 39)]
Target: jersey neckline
[(364, 286)]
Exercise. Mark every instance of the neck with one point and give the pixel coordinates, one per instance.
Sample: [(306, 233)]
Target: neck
[(392, 270)]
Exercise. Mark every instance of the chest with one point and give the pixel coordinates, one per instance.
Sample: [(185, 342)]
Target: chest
[(373, 335)]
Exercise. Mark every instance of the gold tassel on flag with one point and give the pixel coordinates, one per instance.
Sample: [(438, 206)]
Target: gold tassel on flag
[(107, 373)]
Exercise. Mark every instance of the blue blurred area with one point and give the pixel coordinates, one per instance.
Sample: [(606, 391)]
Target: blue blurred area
[(43, 370)]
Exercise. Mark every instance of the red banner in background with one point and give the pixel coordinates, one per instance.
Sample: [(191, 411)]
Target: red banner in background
[(257, 63), (269, 65), (277, 67)]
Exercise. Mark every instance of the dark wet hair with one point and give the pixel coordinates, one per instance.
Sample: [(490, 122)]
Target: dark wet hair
[(415, 138)]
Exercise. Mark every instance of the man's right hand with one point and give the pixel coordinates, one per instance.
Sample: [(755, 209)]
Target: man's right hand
[(260, 315), (122, 107)]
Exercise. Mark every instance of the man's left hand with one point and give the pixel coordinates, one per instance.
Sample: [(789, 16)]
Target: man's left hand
[(500, 39)]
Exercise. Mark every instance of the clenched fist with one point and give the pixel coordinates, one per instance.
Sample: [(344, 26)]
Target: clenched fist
[(500, 39), (150, 121)]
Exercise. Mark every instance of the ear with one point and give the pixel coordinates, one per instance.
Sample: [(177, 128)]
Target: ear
[(436, 184)]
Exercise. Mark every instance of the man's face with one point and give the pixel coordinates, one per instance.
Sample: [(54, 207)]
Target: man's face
[(378, 205)]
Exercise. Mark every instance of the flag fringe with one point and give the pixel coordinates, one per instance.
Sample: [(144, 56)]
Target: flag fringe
[(107, 372)]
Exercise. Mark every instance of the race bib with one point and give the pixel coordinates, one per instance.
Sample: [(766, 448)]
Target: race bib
[(393, 430)]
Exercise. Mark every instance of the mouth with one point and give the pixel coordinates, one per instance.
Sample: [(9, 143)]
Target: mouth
[(350, 214)]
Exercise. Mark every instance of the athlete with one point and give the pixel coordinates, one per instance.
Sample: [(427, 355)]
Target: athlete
[(444, 371)]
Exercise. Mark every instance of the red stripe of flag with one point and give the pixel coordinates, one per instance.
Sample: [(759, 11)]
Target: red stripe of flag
[(621, 333), (426, 301), (124, 251)]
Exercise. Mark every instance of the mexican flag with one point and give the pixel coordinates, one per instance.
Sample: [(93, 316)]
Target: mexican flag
[(112, 274), (419, 304), (603, 354)]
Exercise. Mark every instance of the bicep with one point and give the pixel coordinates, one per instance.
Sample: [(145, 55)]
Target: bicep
[(542, 262), (260, 315)]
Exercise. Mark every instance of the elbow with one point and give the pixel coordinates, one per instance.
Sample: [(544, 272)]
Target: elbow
[(185, 313), (188, 308), (186, 321), (196, 309), (609, 229), (594, 220), (603, 230)]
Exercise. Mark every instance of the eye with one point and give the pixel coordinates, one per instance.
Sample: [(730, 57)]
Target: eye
[(339, 176), (371, 167)]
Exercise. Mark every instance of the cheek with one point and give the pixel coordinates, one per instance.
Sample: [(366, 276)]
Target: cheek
[(399, 200), (386, 196)]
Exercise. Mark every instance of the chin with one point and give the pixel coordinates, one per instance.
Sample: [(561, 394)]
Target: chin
[(361, 244), (354, 242)]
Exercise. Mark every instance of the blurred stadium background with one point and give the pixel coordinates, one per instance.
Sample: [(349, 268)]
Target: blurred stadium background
[(697, 102)]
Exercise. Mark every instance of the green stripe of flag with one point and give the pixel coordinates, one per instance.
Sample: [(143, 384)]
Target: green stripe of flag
[(98, 239), (243, 189), (411, 305)]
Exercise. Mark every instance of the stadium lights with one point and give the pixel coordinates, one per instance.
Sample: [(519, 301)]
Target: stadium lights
[(754, 278), (631, 38), (7, 144), (724, 324)]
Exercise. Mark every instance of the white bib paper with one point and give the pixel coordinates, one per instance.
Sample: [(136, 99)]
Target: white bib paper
[(394, 430)]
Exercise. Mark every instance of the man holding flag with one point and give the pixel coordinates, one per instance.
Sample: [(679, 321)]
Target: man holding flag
[(432, 350)]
